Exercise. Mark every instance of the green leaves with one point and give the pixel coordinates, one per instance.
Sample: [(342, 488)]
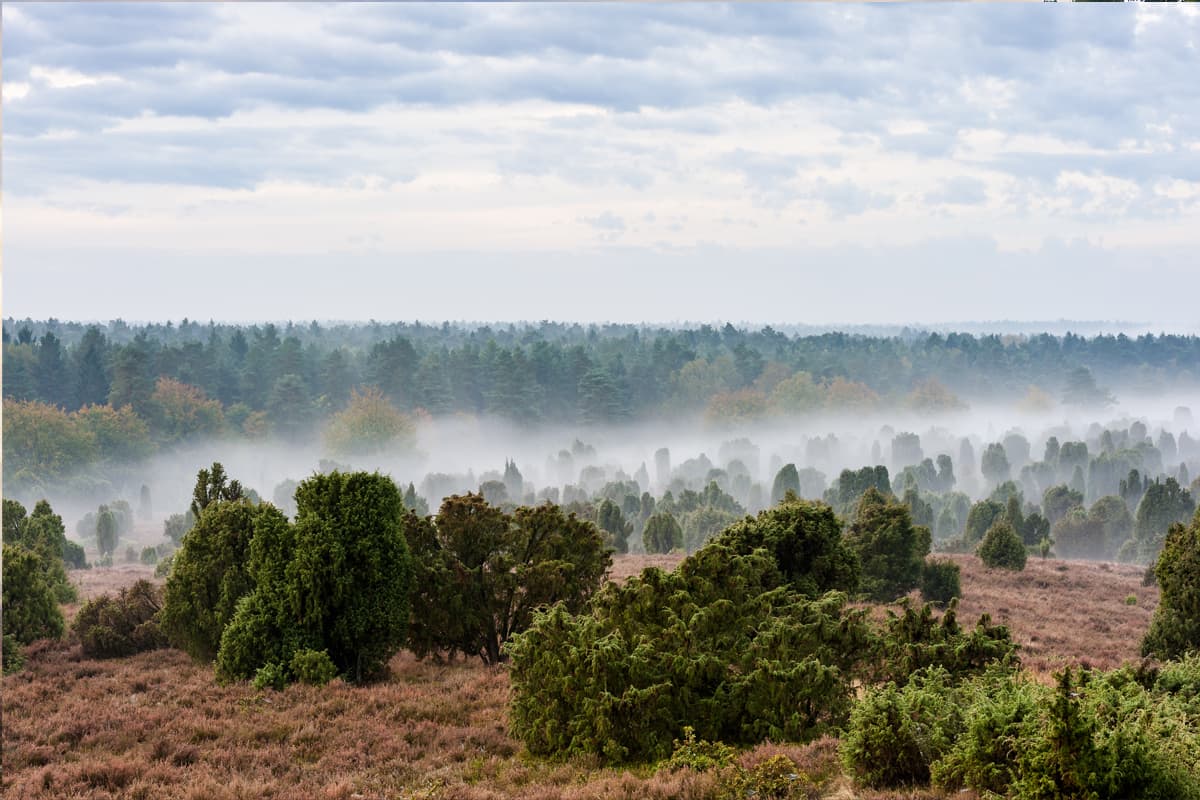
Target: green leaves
[(723, 645), (480, 574)]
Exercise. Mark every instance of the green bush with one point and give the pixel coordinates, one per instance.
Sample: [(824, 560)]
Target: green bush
[(272, 675), (914, 640), (209, 574), (940, 582), (163, 568), (776, 778), (313, 667), (897, 733), (44, 534), (1002, 548), (30, 607), (13, 657), (479, 572), (73, 555), (891, 550), (149, 556), (699, 755), (337, 580), (1001, 713), (805, 541), (724, 644), (116, 626), (1105, 737), (1175, 629)]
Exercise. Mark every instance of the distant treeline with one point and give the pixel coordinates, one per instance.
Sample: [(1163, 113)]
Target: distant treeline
[(292, 374)]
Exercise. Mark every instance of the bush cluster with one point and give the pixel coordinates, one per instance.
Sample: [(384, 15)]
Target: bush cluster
[(115, 626), (1093, 736)]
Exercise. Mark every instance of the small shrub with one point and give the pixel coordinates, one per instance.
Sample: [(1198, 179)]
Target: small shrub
[(13, 655), (73, 555), (313, 667), (1131, 600), (271, 675), (149, 556), (112, 627), (131, 555), (777, 778), (896, 734), (940, 582), (163, 568), (1002, 548), (1000, 713), (699, 755)]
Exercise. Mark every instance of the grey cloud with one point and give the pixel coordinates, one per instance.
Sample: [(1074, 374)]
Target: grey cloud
[(863, 65)]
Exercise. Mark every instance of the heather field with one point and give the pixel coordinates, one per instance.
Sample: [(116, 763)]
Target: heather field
[(156, 725)]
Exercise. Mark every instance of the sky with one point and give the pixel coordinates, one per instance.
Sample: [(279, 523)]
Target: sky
[(759, 163)]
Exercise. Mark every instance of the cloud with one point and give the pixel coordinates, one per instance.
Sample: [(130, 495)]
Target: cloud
[(539, 128)]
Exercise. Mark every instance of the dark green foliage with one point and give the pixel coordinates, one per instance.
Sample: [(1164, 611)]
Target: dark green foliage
[(1175, 629), (723, 645), (891, 550), (896, 733), (30, 608), (480, 574), (113, 627), (12, 657), (1058, 500), (313, 667), (149, 556), (1096, 736), (338, 580), (662, 533), (43, 533), (612, 522), (210, 575), (940, 581), (1000, 714), (914, 640), (805, 540), (1001, 548), (73, 555), (213, 485)]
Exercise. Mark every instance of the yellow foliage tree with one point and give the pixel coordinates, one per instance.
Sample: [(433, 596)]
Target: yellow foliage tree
[(369, 424)]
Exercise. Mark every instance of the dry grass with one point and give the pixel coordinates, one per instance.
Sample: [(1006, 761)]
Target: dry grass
[(1063, 612), (158, 726)]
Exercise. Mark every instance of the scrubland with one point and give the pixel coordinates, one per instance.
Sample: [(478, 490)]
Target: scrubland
[(157, 725)]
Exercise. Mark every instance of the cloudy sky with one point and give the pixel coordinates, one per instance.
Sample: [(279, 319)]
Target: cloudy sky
[(814, 163)]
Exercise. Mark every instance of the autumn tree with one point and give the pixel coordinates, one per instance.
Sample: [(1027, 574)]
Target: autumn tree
[(180, 411), (369, 425)]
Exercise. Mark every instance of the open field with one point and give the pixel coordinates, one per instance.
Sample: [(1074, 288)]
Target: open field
[(158, 726)]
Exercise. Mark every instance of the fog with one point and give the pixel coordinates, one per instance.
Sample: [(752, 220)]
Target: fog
[(457, 454)]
